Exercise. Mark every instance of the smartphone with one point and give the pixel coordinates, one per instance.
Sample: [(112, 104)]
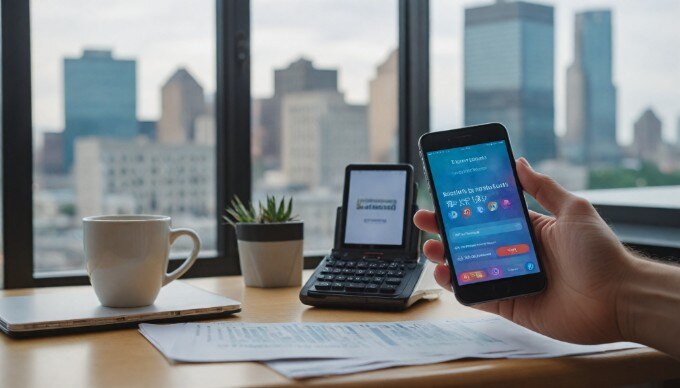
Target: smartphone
[(481, 213)]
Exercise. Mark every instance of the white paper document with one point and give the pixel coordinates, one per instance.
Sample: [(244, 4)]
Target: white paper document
[(302, 350)]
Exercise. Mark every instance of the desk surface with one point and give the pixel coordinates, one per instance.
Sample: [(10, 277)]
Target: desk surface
[(125, 358)]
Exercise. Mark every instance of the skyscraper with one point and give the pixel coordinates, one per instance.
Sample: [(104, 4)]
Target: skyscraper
[(591, 95), (383, 108), (182, 101), (299, 76), (647, 135), (100, 98), (509, 73)]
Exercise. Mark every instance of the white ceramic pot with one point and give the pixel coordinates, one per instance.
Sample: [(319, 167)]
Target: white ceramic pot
[(271, 255)]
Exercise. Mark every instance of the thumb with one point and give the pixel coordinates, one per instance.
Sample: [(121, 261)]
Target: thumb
[(546, 190)]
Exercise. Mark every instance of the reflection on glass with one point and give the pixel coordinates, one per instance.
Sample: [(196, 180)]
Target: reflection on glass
[(323, 97), (123, 120)]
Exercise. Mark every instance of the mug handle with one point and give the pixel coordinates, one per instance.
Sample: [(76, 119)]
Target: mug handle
[(174, 235)]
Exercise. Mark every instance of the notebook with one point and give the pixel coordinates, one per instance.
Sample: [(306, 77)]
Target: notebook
[(77, 310)]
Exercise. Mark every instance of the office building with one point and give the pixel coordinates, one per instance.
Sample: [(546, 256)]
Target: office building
[(321, 134), (299, 76), (591, 95), (100, 98), (182, 101), (509, 73), (138, 176), (647, 135), (51, 157), (383, 110)]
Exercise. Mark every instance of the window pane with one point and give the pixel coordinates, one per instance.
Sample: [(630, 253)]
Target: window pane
[(324, 84), (582, 92), (123, 119)]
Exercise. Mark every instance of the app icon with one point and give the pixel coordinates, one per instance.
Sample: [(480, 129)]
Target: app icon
[(449, 203), (453, 214), (495, 271), (492, 206), (505, 203), (530, 266), (467, 212), (480, 209)]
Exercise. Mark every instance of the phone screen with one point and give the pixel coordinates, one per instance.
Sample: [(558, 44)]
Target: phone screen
[(375, 207), (483, 215)]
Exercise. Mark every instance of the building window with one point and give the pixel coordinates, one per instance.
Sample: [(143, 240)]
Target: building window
[(105, 99), (324, 94), (583, 94)]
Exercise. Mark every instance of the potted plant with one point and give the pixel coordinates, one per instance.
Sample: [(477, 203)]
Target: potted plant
[(269, 242)]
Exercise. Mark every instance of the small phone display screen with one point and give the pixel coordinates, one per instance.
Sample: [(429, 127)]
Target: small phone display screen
[(375, 207), (482, 213)]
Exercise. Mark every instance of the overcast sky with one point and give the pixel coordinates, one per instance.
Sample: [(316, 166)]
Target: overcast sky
[(351, 35)]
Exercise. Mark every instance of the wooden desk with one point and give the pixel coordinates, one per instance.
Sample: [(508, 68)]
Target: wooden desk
[(125, 358)]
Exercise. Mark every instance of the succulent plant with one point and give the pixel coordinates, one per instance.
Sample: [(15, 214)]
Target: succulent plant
[(271, 211)]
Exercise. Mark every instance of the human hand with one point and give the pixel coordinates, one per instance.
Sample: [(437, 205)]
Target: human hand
[(584, 262)]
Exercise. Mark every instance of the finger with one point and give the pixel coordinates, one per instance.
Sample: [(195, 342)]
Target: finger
[(434, 250), (424, 220), (442, 276), (546, 190)]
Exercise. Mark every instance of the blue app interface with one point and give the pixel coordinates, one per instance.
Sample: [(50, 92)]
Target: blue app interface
[(484, 221)]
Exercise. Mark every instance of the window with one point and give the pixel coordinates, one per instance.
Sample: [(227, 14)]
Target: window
[(583, 94), (324, 95), (117, 87)]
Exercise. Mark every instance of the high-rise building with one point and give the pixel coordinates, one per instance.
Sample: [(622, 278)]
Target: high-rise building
[(299, 76), (52, 153), (509, 73), (321, 134), (100, 98), (182, 101), (591, 94), (383, 108), (647, 135)]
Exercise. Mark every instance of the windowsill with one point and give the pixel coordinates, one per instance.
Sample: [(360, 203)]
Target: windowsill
[(642, 217)]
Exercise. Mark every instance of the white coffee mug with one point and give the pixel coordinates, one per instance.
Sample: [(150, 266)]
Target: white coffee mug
[(127, 257)]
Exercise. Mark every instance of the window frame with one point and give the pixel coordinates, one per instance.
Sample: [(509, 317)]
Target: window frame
[(233, 130)]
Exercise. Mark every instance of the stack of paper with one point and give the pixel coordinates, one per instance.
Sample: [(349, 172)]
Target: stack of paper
[(302, 350)]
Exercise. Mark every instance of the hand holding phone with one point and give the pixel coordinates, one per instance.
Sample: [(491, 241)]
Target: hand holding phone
[(481, 213), (584, 262)]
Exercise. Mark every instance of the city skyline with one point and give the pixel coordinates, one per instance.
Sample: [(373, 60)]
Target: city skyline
[(641, 71)]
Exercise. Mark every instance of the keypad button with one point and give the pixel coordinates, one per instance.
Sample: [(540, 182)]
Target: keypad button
[(336, 271), (322, 286), (340, 278), (370, 272), (381, 272), (347, 271), (360, 272), (338, 286), (394, 281), (391, 273), (388, 289), (330, 263), (365, 279), (354, 287), (371, 288), (340, 264), (393, 266), (351, 264), (350, 279), (326, 270), (382, 265), (377, 280), (362, 264), (399, 274), (373, 265)]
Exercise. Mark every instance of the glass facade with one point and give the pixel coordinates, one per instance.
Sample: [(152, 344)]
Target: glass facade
[(509, 71)]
